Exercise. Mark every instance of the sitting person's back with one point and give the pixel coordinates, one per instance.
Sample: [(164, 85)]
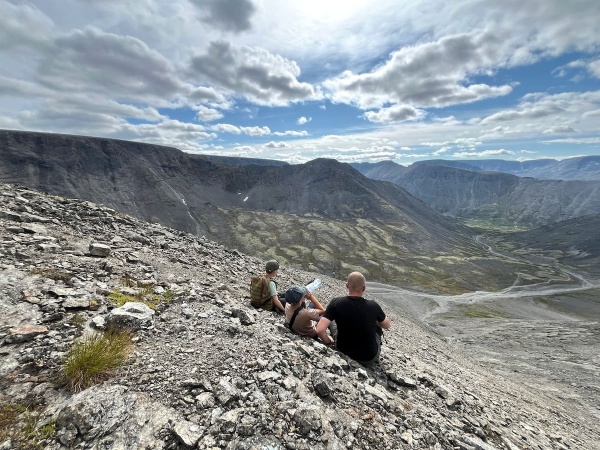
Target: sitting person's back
[(299, 318), (263, 288), (359, 322), (356, 319)]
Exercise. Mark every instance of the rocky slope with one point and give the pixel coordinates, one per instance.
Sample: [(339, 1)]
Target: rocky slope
[(210, 372)]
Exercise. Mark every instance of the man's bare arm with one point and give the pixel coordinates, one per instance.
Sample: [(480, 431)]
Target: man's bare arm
[(316, 302), (323, 324), (322, 331), (386, 324), (277, 303)]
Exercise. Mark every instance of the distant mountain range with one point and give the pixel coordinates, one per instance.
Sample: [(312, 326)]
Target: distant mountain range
[(491, 196), (323, 216), (240, 161), (583, 168)]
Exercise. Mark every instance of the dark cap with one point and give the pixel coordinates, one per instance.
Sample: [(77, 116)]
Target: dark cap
[(294, 294), (271, 266)]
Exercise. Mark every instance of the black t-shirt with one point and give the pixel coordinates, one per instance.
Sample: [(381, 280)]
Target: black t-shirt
[(356, 320)]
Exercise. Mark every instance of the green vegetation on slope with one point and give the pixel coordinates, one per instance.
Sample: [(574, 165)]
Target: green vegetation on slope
[(95, 357), (20, 426), (388, 253)]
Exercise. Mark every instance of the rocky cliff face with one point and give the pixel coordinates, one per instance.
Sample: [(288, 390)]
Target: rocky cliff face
[(147, 181), (208, 371)]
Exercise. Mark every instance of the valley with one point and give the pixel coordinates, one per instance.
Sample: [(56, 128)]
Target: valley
[(544, 335), (391, 253)]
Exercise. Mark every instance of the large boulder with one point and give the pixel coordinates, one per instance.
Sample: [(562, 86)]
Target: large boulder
[(114, 418), (133, 315)]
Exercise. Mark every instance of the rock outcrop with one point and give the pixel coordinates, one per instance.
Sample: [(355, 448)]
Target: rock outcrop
[(208, 371)]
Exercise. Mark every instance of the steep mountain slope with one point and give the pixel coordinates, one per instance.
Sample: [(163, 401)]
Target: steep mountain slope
[(575, 242), (153, 182), (322, 215), (498, 196), (208, 371), (384, 170)]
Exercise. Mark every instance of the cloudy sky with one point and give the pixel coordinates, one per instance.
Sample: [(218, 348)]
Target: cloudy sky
[(353, 80)]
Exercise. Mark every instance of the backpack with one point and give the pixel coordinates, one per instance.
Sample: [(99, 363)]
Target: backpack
[(259, 292)]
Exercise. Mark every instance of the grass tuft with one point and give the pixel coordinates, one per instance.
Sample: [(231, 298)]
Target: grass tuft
[(54, 274), (94, 358), (127, 281), (168, 296), (143, 295), (120, 299), (21, 426), (77, 320)]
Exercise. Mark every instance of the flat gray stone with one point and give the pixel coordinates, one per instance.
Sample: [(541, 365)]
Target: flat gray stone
[(97, 249)]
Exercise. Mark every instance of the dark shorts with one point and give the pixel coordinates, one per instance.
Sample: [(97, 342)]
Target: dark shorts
[(375, 359), (333, 330)]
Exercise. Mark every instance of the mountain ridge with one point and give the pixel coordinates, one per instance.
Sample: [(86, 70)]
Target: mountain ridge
[(582, 168), (487, 195)]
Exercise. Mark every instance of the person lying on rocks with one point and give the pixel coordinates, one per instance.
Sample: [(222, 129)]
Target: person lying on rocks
[(303, 319), (263, 289), (360, 322)]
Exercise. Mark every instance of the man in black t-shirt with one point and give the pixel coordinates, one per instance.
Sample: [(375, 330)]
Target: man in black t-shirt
[(359, 322)]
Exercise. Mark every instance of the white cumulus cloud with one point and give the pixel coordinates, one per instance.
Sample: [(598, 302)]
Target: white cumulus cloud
[(483, 154)]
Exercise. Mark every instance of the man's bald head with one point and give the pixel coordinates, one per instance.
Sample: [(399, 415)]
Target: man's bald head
[(356, 283)]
